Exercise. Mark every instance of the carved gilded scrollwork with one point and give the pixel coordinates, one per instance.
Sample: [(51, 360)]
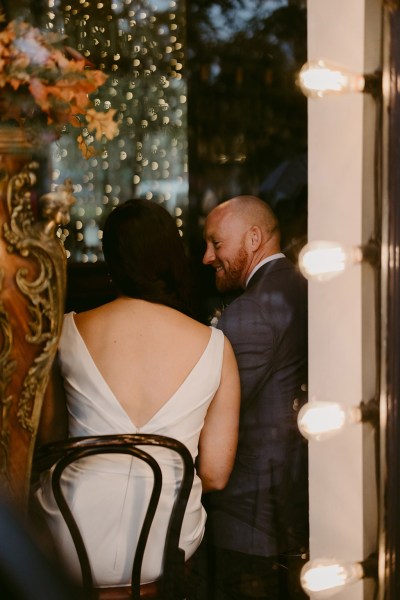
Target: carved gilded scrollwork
[(46, 291), (33, 263), (7, 367)]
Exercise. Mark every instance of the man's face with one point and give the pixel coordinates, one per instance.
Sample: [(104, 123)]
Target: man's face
[(226, 250)]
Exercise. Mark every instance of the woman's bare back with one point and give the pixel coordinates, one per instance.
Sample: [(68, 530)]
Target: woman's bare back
[(144, 351)]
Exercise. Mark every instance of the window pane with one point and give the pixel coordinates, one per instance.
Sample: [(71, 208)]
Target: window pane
[(140, 46)]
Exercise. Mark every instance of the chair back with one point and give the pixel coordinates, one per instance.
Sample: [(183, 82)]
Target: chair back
[(62, 453)]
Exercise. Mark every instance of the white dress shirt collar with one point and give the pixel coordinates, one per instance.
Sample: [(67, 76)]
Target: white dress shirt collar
[(260, 264)]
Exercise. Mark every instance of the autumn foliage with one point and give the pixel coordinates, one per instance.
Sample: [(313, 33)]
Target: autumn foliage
[(45, 85)]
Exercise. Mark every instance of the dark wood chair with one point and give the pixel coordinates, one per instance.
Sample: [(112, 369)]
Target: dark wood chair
[(171, 586)]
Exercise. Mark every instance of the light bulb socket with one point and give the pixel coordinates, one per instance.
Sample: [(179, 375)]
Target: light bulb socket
[(371, 253), (370, 566), (373, 84), (370, 412)]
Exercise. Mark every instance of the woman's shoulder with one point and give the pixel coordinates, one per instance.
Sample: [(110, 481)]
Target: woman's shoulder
[(92, 314), (205, 334), (138, 315), (189, 323)]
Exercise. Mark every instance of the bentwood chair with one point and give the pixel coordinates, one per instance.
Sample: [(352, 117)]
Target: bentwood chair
[(171, 586)]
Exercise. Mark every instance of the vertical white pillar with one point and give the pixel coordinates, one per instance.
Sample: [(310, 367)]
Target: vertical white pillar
[(342, 312)]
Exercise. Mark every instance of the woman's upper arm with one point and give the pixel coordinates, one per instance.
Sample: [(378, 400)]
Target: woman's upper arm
[(53, 423), (219, 436)]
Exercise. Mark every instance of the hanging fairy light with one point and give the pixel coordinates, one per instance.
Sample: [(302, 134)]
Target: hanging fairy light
[(142, 49)]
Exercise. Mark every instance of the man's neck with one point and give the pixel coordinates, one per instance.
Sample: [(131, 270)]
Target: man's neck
[(262, 262)]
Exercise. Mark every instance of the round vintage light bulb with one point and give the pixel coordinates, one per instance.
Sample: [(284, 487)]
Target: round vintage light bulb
[(318, 78), (324, 577), (319, 420), (323, 260)]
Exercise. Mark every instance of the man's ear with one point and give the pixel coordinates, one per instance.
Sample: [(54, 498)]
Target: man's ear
[(255, 237)]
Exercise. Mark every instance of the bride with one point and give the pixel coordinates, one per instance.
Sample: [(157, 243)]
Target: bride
[(139, 364)]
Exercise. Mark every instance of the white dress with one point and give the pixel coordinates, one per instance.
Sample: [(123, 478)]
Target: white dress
[(108, 493)]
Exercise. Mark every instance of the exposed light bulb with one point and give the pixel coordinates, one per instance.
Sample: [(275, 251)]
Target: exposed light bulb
[(318, 78), (324, 577), (320, 420), (323, 260)]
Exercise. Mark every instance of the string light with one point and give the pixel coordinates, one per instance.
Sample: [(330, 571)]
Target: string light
[(142, 53), (323, 260), (319, 78)]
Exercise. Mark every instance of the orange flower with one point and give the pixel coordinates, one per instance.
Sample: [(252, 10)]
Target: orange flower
[(15, 83), (41, 80), (40, 92), (7, 35)]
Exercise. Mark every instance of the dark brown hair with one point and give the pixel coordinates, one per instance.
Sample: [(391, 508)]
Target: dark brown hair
[(145, 254)]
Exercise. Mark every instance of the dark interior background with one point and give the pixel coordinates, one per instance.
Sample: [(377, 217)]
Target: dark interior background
[(247, 119), (246, 123)]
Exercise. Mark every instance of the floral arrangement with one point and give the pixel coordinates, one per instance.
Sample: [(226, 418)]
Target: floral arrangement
[(215, 317), (45, 85)]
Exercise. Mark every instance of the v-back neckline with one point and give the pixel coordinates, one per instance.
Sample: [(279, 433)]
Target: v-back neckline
[(118, 403)]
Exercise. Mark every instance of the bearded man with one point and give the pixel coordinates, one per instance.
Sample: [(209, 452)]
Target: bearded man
[(258, 525)]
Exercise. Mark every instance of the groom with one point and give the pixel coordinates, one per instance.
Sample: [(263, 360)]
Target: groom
[(258, 525)]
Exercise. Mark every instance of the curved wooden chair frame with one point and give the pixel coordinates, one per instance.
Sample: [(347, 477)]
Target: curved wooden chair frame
[(61, 454)]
